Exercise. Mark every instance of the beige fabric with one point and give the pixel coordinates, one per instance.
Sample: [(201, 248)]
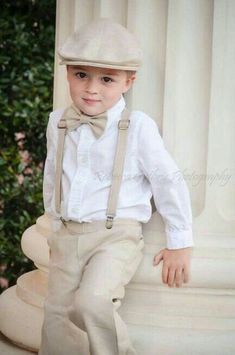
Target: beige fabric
[(59, 162), (69, 120), (87, 275), (102, 43), (74, 118), (118, 167)]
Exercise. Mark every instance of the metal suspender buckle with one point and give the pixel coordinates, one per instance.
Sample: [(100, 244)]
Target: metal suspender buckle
[(123, 124), (62, 124), (109, 222), (63, 221)]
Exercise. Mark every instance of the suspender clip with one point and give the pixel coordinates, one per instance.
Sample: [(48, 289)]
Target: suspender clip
[(123, 124), (63, 221), (109, 222), (62, 124)]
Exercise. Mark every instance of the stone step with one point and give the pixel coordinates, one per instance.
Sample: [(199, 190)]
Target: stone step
[(165, 338), (161, 306), (8, 348)]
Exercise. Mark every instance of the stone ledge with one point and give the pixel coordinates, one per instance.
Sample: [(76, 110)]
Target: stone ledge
[(8, 348)]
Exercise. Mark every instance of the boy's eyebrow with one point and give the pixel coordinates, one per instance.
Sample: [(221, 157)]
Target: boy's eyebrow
[(108, 73), (76, 67), (80, 67)]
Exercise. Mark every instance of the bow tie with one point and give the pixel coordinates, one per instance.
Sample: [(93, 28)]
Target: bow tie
[(74, 118)]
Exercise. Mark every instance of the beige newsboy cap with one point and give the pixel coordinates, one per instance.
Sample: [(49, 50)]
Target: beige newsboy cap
[(103, 44)]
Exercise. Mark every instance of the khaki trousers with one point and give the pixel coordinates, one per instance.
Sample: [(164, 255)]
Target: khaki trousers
[(88, 269)]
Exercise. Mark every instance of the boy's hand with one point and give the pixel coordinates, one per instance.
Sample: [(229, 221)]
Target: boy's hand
[(176, 265)]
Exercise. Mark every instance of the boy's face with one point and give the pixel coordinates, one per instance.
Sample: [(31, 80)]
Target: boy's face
[(95, 90)]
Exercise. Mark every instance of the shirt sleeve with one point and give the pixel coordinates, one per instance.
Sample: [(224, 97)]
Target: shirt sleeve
[(170, 192), (49, 168)]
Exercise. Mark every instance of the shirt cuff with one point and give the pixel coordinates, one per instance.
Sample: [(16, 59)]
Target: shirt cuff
[(179, 239)]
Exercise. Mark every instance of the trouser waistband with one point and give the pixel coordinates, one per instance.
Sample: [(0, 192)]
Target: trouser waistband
[(86, 227)]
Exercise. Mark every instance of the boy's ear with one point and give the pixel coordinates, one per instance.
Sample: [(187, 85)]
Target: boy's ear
[(132, 78), (129, 82), (67, 71)]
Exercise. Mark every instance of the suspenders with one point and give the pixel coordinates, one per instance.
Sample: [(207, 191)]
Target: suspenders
[(119, 159), (118, 166)]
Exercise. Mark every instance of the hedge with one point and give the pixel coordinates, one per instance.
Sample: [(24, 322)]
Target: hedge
[(27, 32)]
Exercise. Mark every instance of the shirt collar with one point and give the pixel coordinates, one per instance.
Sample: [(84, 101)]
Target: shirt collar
[(114, 113)]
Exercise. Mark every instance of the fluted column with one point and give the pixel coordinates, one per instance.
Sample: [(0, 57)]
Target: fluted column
[(187, 85), (219, 208)]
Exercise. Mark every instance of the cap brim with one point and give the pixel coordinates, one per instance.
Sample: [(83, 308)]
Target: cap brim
[(133, 67)]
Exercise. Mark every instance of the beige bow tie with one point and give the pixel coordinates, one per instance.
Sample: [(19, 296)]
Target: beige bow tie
[(74, 118)]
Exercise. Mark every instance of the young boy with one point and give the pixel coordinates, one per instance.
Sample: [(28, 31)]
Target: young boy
[(103, 165)]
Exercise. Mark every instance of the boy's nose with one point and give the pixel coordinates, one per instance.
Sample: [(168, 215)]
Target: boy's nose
[(92, 87)]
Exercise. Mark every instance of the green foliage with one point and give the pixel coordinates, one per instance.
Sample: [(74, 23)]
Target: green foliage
[(27, 30)]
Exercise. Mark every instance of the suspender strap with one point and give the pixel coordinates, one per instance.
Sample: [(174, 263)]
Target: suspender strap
[(118, 167), (62, 126)]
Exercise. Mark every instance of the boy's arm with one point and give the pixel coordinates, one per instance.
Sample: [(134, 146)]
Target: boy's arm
[(172, 200)]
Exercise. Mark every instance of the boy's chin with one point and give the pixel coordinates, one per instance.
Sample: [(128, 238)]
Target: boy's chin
[(92, 113), (87, 112)]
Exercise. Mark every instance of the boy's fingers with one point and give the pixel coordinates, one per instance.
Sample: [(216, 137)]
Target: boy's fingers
[(171, 277), (164, 274), (186, 276), (157, 258), (179, 277)]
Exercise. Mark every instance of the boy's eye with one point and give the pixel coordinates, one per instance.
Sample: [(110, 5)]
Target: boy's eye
[(81, 75), (107, 79)]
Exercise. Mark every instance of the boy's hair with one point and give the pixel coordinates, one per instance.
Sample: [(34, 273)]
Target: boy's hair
[(130, 73), (103, 44)]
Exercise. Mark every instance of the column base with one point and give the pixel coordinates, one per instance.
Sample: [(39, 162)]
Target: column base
[(20, 322)]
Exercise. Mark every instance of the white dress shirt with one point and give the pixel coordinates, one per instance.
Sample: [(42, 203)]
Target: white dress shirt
[(148, 170)]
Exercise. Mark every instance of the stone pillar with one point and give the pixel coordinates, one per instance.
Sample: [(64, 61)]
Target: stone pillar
[(187, 86)]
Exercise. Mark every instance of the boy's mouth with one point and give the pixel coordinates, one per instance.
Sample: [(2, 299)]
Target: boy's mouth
[(90, 101)]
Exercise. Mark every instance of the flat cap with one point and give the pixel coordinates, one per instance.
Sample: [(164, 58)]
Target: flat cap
[(103, 44)]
